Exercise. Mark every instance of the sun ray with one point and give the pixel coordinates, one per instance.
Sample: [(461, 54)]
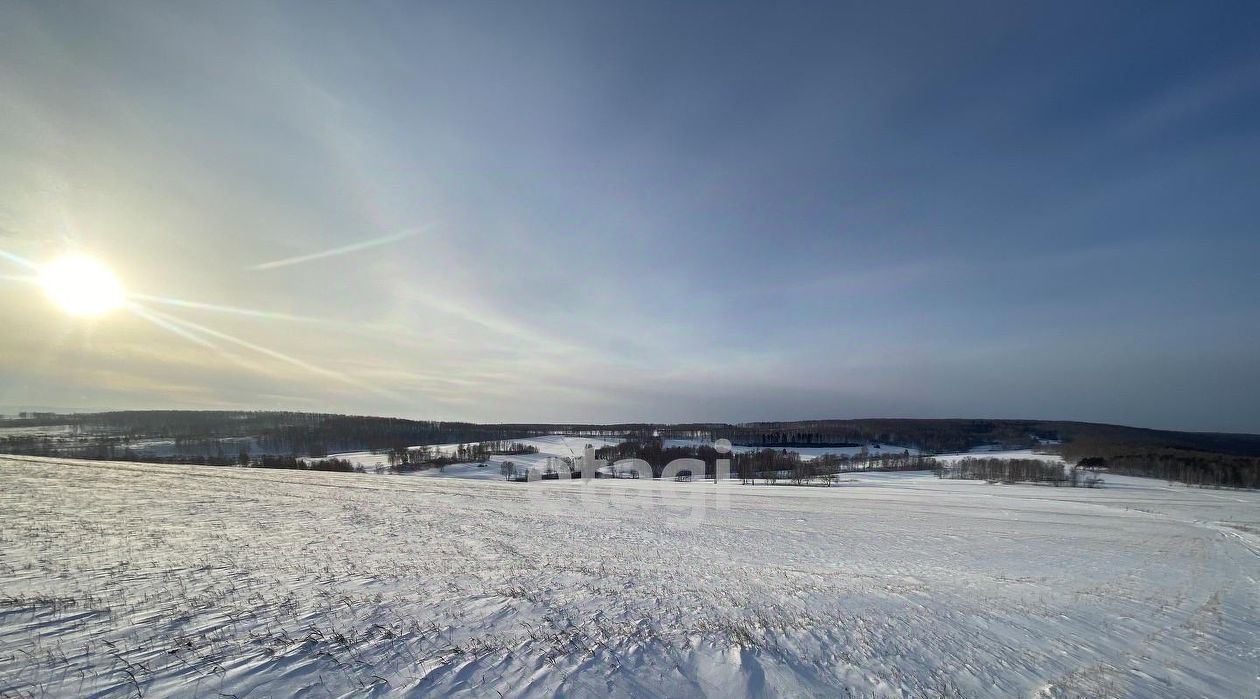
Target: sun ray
[(193, 337), (18, 260), (197, 333), (274, 354), (234, 310), (170, 327)]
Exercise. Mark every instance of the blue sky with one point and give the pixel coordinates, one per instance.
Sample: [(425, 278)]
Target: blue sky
[(641, 211)]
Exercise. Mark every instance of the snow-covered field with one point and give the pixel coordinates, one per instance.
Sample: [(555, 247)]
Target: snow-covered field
[(555, 446), (122, 579), (999, 454), (551, 446)]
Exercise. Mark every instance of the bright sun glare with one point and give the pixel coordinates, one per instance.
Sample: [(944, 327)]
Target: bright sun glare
[(81, 286)]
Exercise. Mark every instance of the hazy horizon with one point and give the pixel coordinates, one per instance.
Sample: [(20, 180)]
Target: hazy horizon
[(606, 213), (13, 412)]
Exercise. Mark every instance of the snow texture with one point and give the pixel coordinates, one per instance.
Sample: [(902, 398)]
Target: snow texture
[(122, 579)]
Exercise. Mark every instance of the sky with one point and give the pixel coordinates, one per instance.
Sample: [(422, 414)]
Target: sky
[(605, 212)]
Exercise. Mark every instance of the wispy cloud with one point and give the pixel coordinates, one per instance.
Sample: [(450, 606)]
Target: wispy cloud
[(233, 310), (340, 250), (18, 260)]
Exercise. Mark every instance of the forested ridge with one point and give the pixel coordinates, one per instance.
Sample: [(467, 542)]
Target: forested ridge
[(224, 437)]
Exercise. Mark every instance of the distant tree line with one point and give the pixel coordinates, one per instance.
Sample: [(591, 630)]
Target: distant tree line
[(224, 437), (294, 463), (658, 456), (770, 465), (997, 470), (90, 435), (1170, 464), (1210, 470), (309, 433), (315, 434), (926, 435), (403, 459), (111, 448), (802, 439)]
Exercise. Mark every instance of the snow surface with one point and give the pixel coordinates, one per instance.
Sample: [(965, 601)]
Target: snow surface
[(173, 581)]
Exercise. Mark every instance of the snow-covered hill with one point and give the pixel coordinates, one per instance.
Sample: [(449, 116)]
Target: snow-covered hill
[(119, 579)]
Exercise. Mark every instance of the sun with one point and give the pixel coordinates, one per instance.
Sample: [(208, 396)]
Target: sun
[(82, 286)]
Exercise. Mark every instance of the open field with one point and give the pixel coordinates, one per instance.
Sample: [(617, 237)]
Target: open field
[(549, 446), (122, 579), (556, 446)]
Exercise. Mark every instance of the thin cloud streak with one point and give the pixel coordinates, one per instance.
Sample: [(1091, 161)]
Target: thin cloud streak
[(188, 324), (18, 260), (140, 311), (253, 313), (342, 250), (274, 354)]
